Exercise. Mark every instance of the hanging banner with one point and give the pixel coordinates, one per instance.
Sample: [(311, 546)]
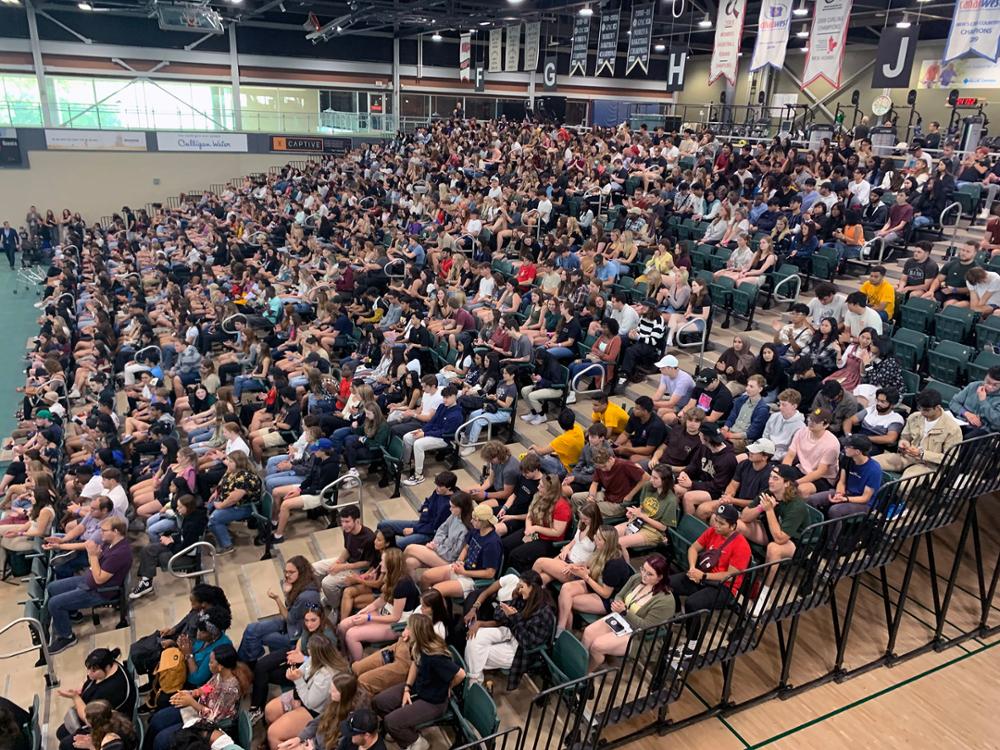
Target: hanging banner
[(607, 43), (827, 41), (578, 50), (728, 34), (479, 78), (773, 25), (970, 73), (638, 42), (513, 48), (532, 31), (464, 57), (549, 78), (894, 59), (975, 30), (676, 62), (496, 50)]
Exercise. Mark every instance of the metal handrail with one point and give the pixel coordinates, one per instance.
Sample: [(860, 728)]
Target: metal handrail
[(782, 298), (576, 378), (401, 274), (347, 481), (232, 319), (188, 552), (469, 423), (135, 356), (372, 203), (51, 680), (958, 219), (873, 242), (701, 344)]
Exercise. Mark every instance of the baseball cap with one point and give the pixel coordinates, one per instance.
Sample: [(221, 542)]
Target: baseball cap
[(859, 442), (820, 415), (484, 512), (788, 473), (801, 365), (711, 431), (648, 303), (668, 361), (706, 376), (43, 414), (728, 512), (363, 721), (323, 444), (761, 445)]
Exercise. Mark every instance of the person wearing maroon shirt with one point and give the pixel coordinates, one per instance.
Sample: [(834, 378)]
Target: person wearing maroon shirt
[(900, 217), (616, 482)]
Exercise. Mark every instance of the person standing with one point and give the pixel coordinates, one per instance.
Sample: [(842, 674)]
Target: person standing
[(10, 241)]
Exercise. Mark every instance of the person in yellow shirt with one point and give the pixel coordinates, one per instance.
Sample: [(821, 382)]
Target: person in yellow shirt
[(568, 446), (610, 414), (880, 293)]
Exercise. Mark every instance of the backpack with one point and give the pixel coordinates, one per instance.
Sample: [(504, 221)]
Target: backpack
[(169, 676)]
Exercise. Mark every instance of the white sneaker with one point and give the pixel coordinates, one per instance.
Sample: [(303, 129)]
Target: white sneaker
[(419, 744), (539, 419), (354, 473), (528, 417), (571, 398), (74, 393), (467, 450), (413, 480)]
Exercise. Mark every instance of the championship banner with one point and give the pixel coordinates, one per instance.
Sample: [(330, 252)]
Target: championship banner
[(532, 31), (513, 48), (827, 41), (642, 34), (975, 30), (607, 43), (464, 57), (578, 51), (728, 34), (773, 25), (496, 50)]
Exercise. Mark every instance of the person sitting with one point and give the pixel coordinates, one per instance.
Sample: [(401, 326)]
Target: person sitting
[(307, 495), (449, 537), (289, 714), (593, 585), (648, 338), (578, 551), (978, 405), (545, 523), (647, 523), (683, 438), (434, 511), (929, 433), (814, 451), (399, 596), (712, 580), (616, 482), (233, 499), (107, 680), (363, 588), (566, 447), (517, 627), (748, 416), (858, 482), (502, 472), (711, 396), (358, 555), (194, 521), (644, 601), (424, 695), (436, 434), (610, 414), (582, 472), (216, 701), (108, 565), (880, 293), (879, 422), (301, 591), (480, 558), (643, 433), (674, 390), (497, 408), (775, 520), (709, 469), (344, 717)]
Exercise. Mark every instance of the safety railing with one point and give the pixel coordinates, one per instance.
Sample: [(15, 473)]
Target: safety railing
[(38, 632), (595, 370), (194, 558), (330, 496)]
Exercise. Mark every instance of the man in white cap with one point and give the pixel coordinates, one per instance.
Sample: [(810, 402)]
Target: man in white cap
[(747, 483), (674, 390)]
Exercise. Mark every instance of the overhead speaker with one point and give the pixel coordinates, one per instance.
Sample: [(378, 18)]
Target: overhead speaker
[(911, 97), (855, 97), (953, 97)]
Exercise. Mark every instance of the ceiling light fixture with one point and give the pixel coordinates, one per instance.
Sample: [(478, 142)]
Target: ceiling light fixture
[(803, 32), (904, 22), (515, 2), (660, 47), (802, 10), (484, 23), (706, 22), (84, 6), (435, 37), (586, 10)]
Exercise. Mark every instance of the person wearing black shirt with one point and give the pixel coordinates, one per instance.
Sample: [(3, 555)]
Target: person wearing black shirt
[(106, 680), (804, 378), (643, 432), (683, 437), (711, 396), (875, 214), (747, 483), (286, 427)]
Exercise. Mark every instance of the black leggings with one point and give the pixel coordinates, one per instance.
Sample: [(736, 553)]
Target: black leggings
[(699, 596), (269, 670)]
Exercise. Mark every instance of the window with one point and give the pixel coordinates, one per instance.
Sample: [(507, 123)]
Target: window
[(413, 105), (481, 107), (20, 103)]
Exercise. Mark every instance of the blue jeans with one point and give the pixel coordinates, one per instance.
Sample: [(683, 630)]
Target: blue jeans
[(922, 221), (200, 435), (65, 596), (282, 479), (163, 725), (396, 529), (246, 384), (561, 352), (339, 436), (159, 524), (220, 518), (270, 633), (271, 467), (482, 418)]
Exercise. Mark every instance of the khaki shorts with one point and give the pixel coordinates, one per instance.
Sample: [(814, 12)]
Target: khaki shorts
[(273, 440), (309, 502), (467, 583)]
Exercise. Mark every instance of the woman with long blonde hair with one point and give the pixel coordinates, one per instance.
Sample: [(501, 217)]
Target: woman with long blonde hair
[(374, 622), (597, 583)]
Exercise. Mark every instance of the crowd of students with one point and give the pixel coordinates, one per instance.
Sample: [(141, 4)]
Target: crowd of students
[(283, 334)]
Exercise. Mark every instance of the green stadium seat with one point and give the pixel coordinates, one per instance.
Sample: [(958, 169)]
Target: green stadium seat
[(947, 391), (948, 361), (955, 324), (983, 362), (918, 314), (988, 332), (909, 346)]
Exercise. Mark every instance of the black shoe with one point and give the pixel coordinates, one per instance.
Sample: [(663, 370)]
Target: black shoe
[(61, 644), (143, 689), (76, 616)]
